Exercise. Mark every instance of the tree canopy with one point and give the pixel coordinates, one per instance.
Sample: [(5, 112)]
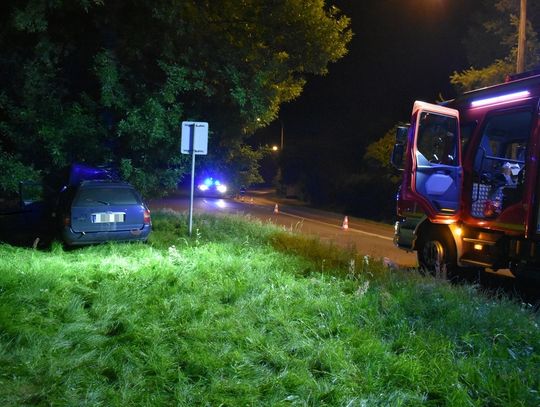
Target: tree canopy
[(108, 82), (491, 44)]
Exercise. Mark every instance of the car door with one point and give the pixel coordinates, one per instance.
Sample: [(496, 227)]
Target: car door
[(437, 171)]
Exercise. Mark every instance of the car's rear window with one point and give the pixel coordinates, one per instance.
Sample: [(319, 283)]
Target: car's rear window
[(106, 196)]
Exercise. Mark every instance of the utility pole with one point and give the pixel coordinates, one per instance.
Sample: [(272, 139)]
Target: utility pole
[(522, 39), (282, 134)]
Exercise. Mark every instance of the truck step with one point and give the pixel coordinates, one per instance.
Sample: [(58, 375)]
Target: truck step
[(475, 260)]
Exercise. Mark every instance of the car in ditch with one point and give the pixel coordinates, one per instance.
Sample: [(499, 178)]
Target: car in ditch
[(96, 211)]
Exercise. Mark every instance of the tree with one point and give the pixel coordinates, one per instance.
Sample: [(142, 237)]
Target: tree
[(491, 45), (110, 82), (378, 155)]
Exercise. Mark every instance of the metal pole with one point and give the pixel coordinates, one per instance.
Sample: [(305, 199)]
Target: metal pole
[(522, 39), (192, 149), (281, 121)]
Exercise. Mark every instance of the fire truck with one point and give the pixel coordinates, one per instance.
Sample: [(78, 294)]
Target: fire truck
[(469, 196)]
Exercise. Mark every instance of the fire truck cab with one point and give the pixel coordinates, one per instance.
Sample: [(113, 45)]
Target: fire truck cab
[(469, 195)]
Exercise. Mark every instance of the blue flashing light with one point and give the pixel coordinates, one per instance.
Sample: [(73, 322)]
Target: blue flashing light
[(81, 172)]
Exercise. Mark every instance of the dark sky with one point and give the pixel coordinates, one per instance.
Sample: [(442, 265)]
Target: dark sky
[(402, 50)]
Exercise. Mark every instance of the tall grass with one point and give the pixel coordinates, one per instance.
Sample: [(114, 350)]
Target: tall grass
[(244, 314)]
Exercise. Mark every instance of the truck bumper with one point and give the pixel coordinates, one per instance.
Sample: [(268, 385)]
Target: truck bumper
[(404, 234)]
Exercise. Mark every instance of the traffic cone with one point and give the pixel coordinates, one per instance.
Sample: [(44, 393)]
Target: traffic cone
[(276, 209), (345, 225)]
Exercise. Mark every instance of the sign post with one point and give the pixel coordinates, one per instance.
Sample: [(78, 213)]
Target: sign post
[(194, 142)]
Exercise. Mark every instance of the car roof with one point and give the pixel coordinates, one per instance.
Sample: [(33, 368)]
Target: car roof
[(110, 183)]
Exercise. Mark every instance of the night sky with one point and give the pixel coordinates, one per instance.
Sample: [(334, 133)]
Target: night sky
[(402, 50)]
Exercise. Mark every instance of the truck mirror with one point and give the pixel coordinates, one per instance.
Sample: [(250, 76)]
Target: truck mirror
[(399, 148), (401, 134), (397, 156)]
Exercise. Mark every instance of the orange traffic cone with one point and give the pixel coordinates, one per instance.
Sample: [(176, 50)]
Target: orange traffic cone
[(276, 209), (345, 225)]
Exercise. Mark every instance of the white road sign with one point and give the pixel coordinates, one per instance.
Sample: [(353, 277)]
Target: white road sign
[(196, 133)]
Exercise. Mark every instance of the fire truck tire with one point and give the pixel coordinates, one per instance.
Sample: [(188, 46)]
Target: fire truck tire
[(436, 252)]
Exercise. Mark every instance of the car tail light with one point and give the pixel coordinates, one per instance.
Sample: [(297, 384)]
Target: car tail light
[(147, 219)]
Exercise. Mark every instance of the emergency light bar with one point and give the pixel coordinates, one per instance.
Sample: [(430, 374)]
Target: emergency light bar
[(500, 99)]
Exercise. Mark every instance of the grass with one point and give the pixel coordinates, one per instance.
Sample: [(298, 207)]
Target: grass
[(245, 314)]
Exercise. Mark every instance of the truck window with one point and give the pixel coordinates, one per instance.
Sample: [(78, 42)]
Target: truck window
[(466, 131), (500, 162), (436, 141)]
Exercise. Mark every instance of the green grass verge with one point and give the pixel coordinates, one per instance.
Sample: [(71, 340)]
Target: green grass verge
[(246, 314)]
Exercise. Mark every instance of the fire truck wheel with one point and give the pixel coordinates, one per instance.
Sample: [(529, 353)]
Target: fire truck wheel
[(437, 253)]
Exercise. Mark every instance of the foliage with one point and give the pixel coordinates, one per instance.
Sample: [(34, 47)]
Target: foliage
[(360, 191), (310, 166), (237, 162), (379, 152), (244, 164), (381, 188), (472, 78), (11, 171), (491, 45), (110, 82), (225, 319)]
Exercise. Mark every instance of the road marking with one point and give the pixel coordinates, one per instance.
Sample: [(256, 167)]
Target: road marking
[(336, 226)]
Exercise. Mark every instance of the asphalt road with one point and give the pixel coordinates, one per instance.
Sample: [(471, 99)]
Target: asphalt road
[(370, 238)]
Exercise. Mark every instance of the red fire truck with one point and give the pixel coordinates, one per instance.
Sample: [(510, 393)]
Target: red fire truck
[(469, 196)]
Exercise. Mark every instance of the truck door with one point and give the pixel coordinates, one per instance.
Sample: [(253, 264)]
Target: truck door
[(437, 171)]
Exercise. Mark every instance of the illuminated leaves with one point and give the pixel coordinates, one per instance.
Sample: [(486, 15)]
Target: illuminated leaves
[(110, 82)]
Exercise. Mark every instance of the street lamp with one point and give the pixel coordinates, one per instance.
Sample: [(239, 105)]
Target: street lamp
[(522, 38)]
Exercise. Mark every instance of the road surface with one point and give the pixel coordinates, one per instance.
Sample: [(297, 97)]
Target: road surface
[(369, 238)]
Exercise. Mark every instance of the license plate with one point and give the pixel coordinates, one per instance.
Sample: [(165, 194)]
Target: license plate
[(108, 217)]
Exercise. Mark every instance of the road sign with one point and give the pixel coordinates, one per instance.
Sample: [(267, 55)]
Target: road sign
[(194, 138), (194, 142)]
